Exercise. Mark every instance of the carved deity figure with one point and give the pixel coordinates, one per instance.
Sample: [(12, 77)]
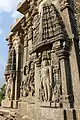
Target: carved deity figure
[(31, 80), (46, 80), (56, 94), (9, 82), (25, 89), (28, 86)]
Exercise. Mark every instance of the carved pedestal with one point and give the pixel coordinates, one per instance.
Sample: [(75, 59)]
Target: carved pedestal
[(7, 103)]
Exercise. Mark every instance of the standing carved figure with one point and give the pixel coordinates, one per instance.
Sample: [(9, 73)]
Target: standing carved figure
[(8, 87), (46, 80), (31, 80), (25, 89)]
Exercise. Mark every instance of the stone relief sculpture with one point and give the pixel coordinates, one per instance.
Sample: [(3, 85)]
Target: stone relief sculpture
[(31, 80), (9, 85), (27, 86), (25, 92), (56, 79), (56, 94), (24, 89), (46, 81)]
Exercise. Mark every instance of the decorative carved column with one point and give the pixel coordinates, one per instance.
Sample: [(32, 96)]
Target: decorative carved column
[(25, 37), (30, 36), (63, 55), (9, 63), (64, 80), (8, 72), (7, 102), (25, 46), (18, 68), (37, 79)]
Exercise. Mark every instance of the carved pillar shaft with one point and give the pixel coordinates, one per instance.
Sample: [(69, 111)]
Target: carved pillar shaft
[(64, 80), (12, 89), (25, 49), (56, 75), (25, 54), (17, 82), (37, 80), (63, 76)]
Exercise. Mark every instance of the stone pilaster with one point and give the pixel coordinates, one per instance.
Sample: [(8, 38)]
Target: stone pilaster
[(37, 79), (18, 68), (63, 55), (64, 78), (75, 73), (25, 45)]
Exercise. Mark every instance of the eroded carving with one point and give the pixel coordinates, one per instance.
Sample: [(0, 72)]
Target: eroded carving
[(9, 84), (46, 81), (28, 86)]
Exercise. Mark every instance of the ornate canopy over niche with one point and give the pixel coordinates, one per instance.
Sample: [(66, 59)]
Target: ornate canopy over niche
[(49, 26)]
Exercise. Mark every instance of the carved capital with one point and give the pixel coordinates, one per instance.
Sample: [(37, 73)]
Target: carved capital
[(38, 62), (63, 4), (61, 48), (62, 54)]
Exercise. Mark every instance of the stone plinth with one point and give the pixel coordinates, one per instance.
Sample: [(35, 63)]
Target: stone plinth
[(26, 108), (15, 104), (47, 113), (6, 103)]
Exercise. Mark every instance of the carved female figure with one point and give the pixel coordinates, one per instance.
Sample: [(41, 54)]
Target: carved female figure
[(8, 87), (46, 80)]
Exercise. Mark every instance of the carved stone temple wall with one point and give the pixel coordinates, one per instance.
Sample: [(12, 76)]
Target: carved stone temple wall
[(43, 69)]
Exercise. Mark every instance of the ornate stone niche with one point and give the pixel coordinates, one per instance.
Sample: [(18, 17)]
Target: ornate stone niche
[(28, 84)]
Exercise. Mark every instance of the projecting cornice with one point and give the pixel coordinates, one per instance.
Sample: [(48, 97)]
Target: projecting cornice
[(23, 6), (9, 36), (17, 25)]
